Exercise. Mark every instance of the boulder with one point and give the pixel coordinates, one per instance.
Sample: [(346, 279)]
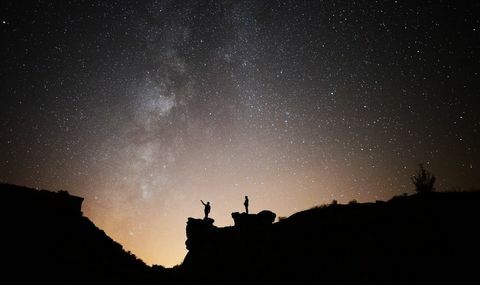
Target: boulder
[(244, 220), (198, 231)]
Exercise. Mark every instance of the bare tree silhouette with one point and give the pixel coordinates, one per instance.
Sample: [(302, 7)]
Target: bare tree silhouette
[(423, 180)]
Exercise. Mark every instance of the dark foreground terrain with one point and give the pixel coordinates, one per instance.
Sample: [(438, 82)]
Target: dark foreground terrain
[(419, 239), (46, 239)]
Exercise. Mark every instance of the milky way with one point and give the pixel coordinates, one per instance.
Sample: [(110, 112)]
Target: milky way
[(146, 108)]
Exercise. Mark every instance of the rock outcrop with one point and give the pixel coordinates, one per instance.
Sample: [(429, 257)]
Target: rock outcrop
[(199, 232), (418, 239), (47, 240), (262, 219), (20, 200), (243, 247)]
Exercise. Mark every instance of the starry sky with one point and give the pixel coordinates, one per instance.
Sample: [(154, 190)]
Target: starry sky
[(146, 107)]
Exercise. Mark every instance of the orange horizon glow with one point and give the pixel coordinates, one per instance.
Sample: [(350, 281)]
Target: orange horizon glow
[(161, 239)]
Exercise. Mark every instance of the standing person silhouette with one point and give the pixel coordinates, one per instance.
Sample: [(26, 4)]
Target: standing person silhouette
[(246, 204), (207, 209)]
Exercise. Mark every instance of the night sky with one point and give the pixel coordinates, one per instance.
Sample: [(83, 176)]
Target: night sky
[(146, 107)]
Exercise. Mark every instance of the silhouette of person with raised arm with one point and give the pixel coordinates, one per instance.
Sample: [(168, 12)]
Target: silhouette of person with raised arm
[(246, 204), (206, 209)]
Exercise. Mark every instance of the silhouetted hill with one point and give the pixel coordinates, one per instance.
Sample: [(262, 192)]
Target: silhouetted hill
[(426, 239), (419, 239), (47, 240)]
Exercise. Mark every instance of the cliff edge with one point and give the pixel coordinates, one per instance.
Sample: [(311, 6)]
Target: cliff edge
[(417, 239)]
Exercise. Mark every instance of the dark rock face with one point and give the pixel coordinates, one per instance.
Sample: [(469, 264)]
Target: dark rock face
[(47, 240), (199, 232), (230, 250), (25, 200), (244, 220), (418, 239)]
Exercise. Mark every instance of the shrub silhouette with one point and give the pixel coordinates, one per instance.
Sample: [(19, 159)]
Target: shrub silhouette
[(423, 180)]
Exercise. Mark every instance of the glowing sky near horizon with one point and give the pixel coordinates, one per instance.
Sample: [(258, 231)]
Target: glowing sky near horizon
[(145, 108)]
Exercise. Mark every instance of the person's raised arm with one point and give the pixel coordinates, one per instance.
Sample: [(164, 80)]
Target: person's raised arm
[(202, 203)]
